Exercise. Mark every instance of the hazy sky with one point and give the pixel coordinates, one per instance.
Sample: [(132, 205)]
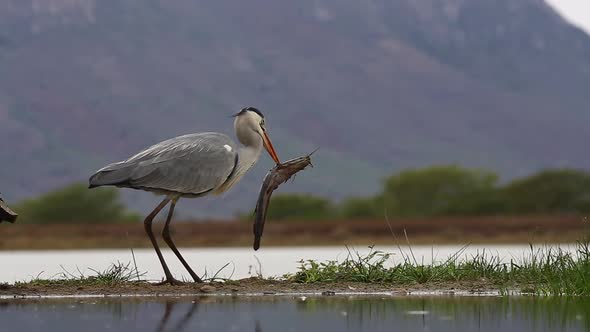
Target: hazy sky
[(576, 11)]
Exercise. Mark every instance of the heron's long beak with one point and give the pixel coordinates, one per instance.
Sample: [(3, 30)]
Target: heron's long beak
[(269, 148)]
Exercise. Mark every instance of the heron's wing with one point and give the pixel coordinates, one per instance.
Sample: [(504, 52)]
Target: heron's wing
[(190, 164)]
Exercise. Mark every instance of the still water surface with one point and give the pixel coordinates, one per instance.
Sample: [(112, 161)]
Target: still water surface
[(243, 262), (283, 313)]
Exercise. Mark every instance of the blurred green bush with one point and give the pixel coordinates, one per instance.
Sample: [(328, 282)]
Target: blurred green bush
[(76, 204), (549, 191), (440, 190)]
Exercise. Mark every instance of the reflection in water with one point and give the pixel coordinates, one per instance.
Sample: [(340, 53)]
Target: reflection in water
[(180, 325), (257, 327), (275, 313)]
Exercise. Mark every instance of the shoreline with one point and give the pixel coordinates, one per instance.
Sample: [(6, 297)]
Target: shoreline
[(252, 287)]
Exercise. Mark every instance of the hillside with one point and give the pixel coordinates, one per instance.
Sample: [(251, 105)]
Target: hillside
[(377, 85)]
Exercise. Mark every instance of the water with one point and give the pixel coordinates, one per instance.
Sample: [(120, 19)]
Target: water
[(243, 262), (286, 313), (272, 313)]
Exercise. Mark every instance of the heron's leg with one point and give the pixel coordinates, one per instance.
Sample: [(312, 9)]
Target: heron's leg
[(168, 239), (168, 310), (187, 316), (147, 224)]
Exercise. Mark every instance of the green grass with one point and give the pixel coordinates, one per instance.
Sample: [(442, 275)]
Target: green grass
[(116, 274), (542, 271)]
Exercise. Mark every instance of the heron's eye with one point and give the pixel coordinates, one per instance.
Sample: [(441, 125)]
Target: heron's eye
[(262, 124)]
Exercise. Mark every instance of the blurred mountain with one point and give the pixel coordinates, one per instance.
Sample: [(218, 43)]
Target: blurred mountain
[(378, 85)]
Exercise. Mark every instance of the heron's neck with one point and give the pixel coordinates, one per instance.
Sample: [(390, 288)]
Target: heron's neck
[(247, 157)]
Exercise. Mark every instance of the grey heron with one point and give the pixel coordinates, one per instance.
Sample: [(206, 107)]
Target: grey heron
[(192, 165)]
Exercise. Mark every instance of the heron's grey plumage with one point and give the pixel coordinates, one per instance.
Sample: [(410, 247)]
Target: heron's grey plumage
[(189, 165)]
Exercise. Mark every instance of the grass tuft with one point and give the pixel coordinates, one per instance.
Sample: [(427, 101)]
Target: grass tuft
[(542, 271), (116, 274)]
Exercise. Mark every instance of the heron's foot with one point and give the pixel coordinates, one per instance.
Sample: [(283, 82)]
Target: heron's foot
[(170, 281), (197, 279)]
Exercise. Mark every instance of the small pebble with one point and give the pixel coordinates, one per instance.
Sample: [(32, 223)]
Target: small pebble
[(207, 289)]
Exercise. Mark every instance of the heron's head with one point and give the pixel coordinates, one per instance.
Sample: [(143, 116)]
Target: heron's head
[(250, 127)]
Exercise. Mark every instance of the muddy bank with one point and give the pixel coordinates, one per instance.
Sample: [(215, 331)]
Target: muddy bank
[(251, 286)]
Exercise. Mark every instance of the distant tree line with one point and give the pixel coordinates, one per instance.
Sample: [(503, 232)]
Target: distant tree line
[(448, 190), (427, 192)]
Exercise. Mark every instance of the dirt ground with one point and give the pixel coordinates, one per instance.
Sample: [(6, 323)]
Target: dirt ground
[(499, 229), (250, 286)]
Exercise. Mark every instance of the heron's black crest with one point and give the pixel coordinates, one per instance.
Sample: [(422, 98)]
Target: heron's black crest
[(249, 109)]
